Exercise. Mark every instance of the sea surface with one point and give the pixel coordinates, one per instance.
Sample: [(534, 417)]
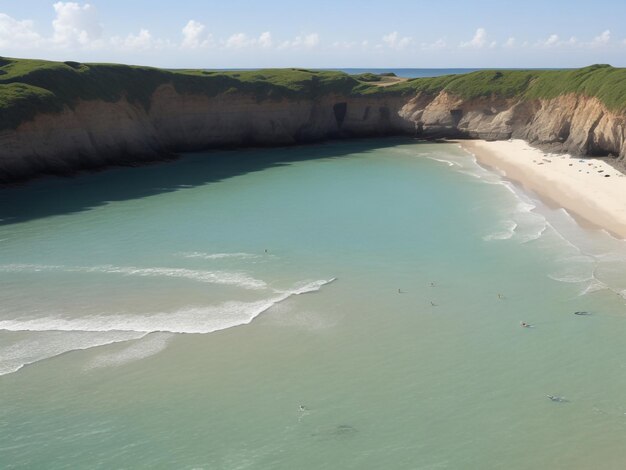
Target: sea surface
[(408, 72), (400, 72), (348, 305)]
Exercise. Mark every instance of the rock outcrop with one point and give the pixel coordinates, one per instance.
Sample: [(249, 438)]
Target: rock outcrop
[(95, 134)]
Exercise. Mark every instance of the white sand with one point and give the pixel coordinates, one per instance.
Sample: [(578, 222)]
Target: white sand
[(578, 185)]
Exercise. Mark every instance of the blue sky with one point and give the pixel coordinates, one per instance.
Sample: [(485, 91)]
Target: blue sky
[(324, 33)]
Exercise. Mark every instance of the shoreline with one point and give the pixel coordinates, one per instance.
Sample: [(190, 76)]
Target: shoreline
[(579, 185)]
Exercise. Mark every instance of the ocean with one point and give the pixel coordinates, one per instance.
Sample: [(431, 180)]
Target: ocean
[(352, 304), (410, 72)]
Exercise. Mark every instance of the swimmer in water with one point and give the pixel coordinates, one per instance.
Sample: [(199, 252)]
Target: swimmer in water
[(556, 399), (433, 304), (525, 325), (432, 284), (500, 296), (302, 408)]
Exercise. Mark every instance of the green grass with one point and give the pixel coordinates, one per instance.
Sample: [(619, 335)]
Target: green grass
[(31, 86), (368, 77), (604, 82), (28, 87)]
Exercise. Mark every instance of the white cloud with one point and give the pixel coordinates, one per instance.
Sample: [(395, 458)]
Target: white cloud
[(265, 40), (394, 41), (602, 39), (75, 24), (554, 41), (136, 42), (308, 41), (242, 40), (434, 46), (18, 33), (509, 42), (194, 36), (237, 41), (345, 44), (479, 40)]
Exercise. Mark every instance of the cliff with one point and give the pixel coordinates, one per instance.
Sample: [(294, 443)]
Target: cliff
[(94, 134), (575, 124), (62, 117)]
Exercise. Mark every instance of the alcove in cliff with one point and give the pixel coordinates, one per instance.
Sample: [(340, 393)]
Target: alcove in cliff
[(340, 110)]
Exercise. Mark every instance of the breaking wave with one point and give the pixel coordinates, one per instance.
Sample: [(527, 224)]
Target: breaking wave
[(55, 334)]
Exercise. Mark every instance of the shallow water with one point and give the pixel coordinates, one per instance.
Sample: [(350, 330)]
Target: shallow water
[(178, 315)]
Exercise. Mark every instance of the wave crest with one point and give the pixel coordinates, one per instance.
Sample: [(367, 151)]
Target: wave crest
[(212, 277)]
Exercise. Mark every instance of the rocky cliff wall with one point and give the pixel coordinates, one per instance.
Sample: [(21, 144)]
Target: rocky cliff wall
[(567, 124), (96, 134)]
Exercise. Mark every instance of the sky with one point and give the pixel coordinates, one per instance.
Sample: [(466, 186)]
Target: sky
[(320, 34)]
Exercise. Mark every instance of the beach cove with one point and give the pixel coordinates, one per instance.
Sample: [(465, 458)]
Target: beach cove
[(362, 310)]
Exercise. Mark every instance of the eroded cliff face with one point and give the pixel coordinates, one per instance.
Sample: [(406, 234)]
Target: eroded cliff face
[(567, 124), (96, 134)]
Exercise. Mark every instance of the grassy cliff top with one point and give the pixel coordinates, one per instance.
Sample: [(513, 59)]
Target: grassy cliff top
[(604, 82), (28, 87)]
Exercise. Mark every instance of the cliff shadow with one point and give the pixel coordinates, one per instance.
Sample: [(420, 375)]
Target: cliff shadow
[(50, 196)]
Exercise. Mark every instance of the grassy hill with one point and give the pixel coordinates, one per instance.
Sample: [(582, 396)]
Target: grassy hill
[(28, 87)]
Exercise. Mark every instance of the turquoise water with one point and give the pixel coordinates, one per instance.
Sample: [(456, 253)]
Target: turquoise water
[(178, 316)]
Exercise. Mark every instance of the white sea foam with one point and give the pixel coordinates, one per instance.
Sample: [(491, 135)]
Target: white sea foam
[(593, 286), (576, 268), (532, 226), (62, 334), (212, 256), (447, 162), (202, 319), (505, 233), (147, 346), (529, 225), (44, 345), (595, 266), (211, 277)]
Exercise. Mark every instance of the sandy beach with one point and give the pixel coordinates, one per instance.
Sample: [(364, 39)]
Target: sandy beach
[(590, 189)]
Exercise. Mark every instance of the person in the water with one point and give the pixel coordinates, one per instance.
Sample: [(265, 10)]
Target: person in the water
[(557, 399), (525, 325)]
